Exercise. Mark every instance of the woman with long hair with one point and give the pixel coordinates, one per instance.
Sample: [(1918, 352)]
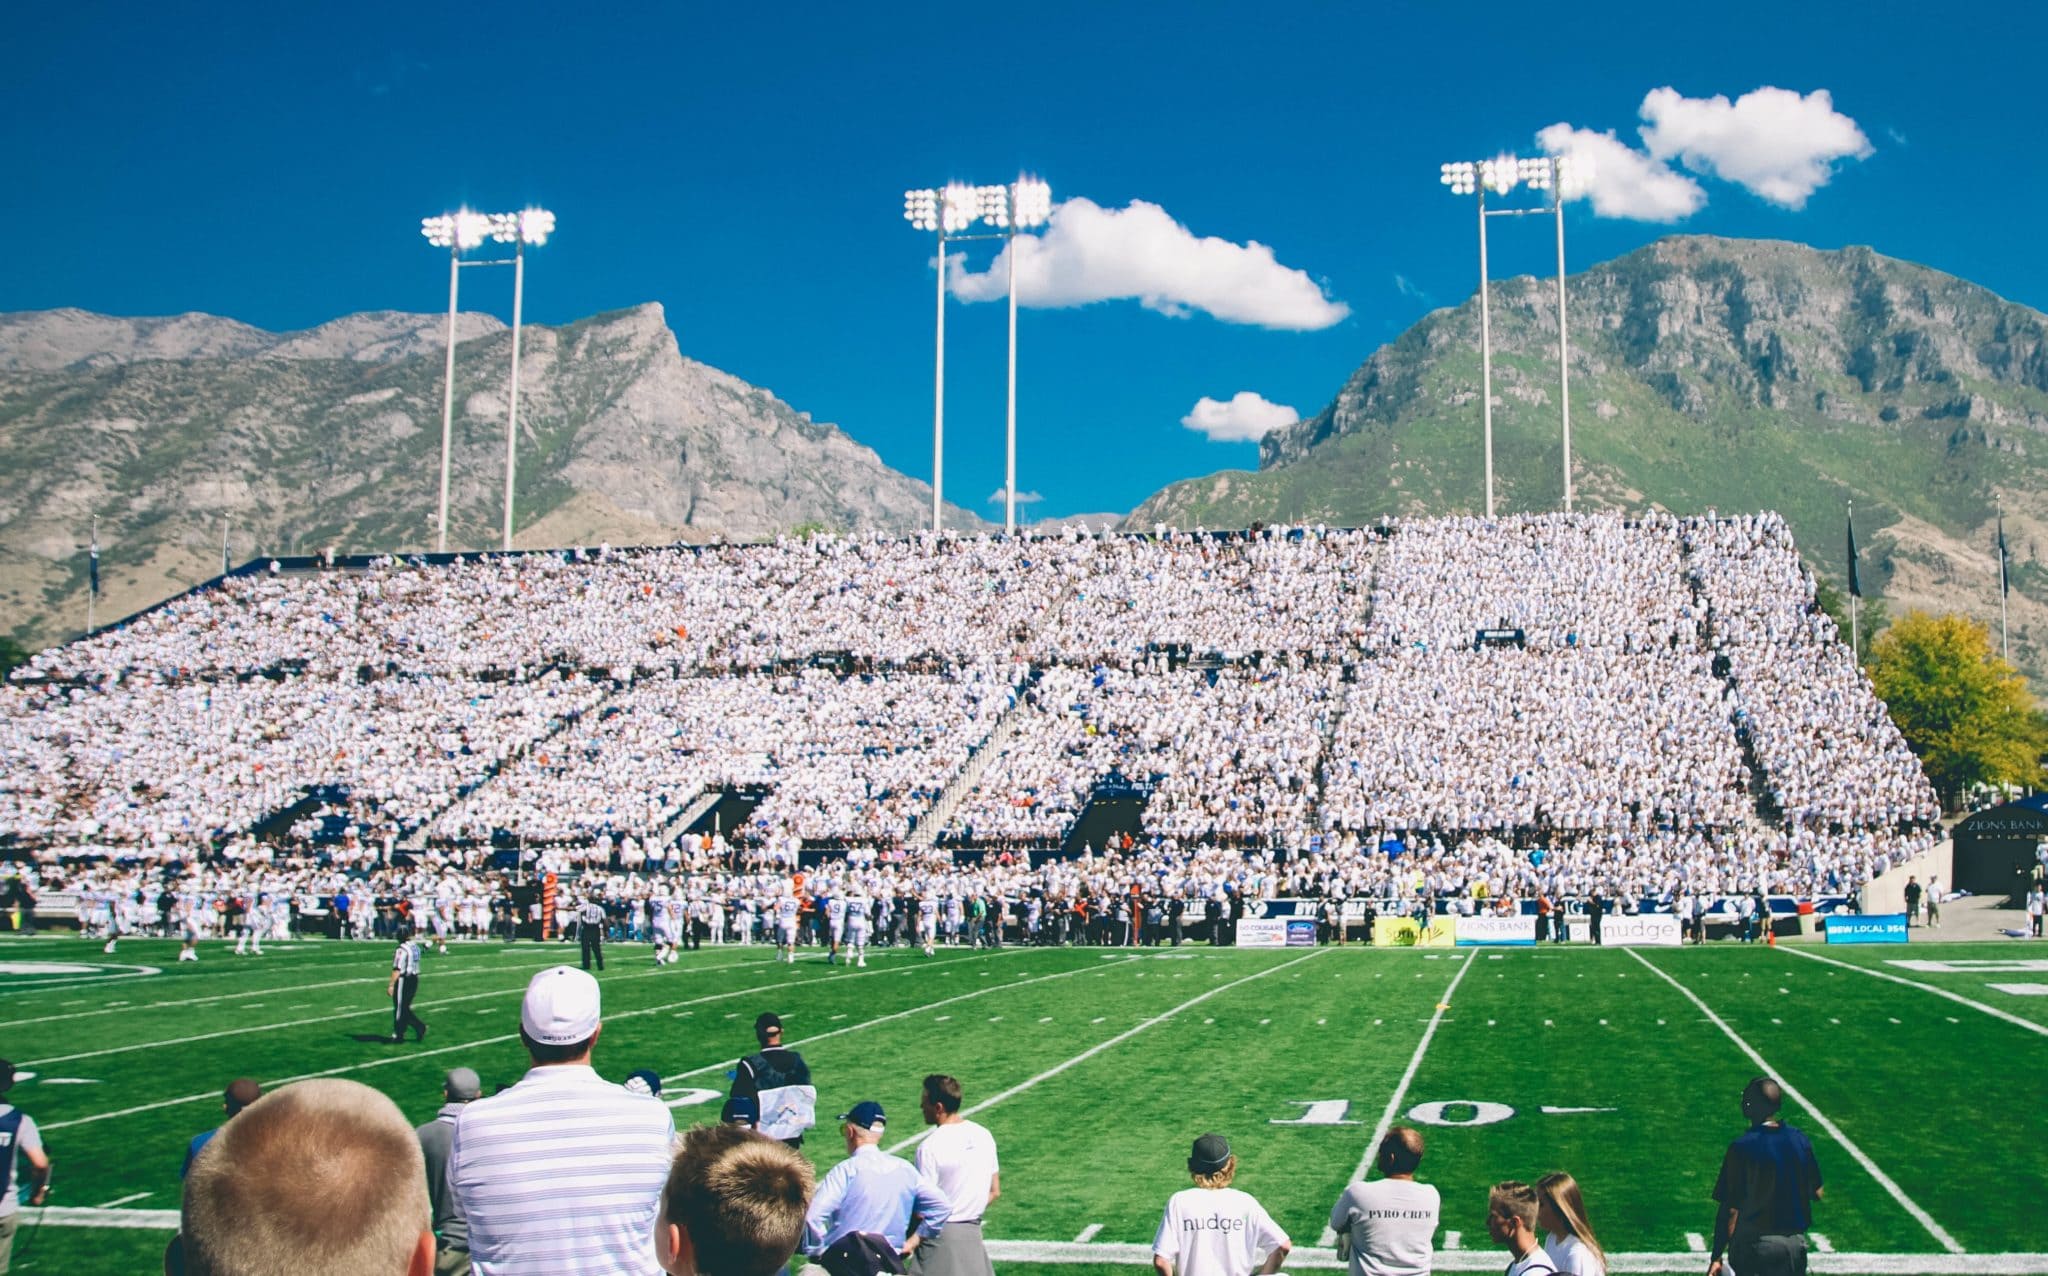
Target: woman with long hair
[(1567, 1237)]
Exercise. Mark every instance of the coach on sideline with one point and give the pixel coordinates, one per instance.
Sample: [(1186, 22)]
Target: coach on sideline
[(21, 1140), (870, 1200), (960, 1156), (563, 1172), (320, 1176), (1768, 1183)]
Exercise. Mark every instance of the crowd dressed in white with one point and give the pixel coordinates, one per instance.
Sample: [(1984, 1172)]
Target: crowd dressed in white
[(1440, 706)]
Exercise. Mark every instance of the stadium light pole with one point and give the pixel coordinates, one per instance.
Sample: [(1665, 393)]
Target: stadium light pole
[(1559, 175), (951, 211), (458, 232)]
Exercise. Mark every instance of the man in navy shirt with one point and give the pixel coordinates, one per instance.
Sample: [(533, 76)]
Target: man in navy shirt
[(1769, 1181), (241, 1092)]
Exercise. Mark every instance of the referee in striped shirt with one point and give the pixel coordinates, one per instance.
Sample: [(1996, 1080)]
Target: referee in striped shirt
[(404, 986), (590, 930)]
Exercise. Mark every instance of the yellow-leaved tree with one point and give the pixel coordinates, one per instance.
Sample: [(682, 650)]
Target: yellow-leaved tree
[(1965, 712)]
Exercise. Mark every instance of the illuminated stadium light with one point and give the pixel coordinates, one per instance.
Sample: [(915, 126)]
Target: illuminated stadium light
[(1558, 178), (952, 211), (459, 232)]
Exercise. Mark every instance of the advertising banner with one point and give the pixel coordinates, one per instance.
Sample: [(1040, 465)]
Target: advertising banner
[(1402, 932), (1266, 932), (1517, 931), (1301, 932), (1644, 930), (1875, 928)]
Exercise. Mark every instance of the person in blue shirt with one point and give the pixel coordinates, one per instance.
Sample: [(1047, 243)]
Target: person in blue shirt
[(873, 1194), (241, 1092), (1769, 1180)]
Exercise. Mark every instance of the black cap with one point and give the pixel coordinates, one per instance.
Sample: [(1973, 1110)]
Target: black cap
[(1211, 1153), (767, 1021), (6, 1075)]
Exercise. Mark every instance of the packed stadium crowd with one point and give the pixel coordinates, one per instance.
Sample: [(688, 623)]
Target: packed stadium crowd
[(1537, 702)]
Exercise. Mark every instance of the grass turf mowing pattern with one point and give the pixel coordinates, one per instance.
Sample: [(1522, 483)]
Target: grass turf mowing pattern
[(1104, 1140)]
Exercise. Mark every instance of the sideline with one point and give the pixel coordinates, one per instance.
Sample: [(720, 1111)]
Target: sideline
[(1401, 1091), (1958, 998), (1444, 1260), (1884, 1180), (1098, 1048)]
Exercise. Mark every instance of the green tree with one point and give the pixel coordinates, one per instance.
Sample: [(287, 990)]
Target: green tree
[(12, 654), (1966, 713)]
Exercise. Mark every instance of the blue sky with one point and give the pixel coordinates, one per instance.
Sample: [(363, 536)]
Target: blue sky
[(745, 167)]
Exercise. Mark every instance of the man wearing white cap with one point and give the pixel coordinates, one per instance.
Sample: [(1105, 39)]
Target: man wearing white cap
[(564, 1171)]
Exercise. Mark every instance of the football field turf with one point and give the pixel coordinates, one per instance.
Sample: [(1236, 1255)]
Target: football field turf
[(1925, 1089)]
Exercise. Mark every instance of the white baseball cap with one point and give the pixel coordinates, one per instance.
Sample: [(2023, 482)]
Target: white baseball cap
[(561, 1006)]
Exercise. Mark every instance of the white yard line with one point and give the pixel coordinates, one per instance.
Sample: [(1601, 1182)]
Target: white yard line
[(1088, 1233), (781, 985), (901, 1014), (125, 1200), (278, 990), (1958, 998), (1926, 1220), (380, 1011), (1401, 1090), (1445, 1260), (1118, 1039)]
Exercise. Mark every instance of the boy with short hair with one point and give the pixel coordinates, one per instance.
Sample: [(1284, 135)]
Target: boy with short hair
[(734, 1204), (1511, 1221)]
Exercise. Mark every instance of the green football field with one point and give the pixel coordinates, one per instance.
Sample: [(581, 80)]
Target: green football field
[(1924, 1086)]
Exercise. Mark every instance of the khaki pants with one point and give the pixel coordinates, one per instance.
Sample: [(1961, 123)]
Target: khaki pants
[(451, 1262), (7, 1226)]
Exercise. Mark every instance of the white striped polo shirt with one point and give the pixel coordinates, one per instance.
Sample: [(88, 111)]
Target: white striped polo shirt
[(562, 1173)]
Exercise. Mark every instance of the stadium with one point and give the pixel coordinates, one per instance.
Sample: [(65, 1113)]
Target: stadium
[(1152, 795), (1488, 723)]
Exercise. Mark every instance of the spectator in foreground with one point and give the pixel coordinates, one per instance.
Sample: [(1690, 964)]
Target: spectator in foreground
[(1511, 1221), (1212, 1228), (861, 1220), (241, 1092), (960, 1156), (1390, 1223), (1568, 1238), (320, 1176), (1768, 1183), (451, 1229), (18, 1139), (562, 1172), (733, 1206)]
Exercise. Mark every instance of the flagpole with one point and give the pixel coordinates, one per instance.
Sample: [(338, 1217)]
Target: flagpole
[(223, 547), (92, 584), (1855, 642), (2004, 639)]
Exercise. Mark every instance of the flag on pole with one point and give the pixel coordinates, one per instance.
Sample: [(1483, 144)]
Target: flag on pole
[(93, 563), (2004, 583), (1855, 585)]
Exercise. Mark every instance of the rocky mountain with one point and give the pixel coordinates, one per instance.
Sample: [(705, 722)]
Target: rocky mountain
[(1709, 374), (172, 430)]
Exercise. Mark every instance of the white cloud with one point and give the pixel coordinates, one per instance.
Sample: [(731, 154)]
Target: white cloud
[(1023, 498), (1779, 145), (1625, 182), (1088, 253), (1246, 418)]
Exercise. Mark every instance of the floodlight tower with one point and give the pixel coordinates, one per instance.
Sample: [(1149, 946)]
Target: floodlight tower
[(459, 232), (949, 211), (1560, 176)]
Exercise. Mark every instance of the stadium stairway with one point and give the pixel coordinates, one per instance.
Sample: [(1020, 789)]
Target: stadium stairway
[(926, 834)]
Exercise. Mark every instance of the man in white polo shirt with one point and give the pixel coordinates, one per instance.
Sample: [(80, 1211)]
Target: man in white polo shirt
[(961, 1157), (563, 1172), (1212, 1228)]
